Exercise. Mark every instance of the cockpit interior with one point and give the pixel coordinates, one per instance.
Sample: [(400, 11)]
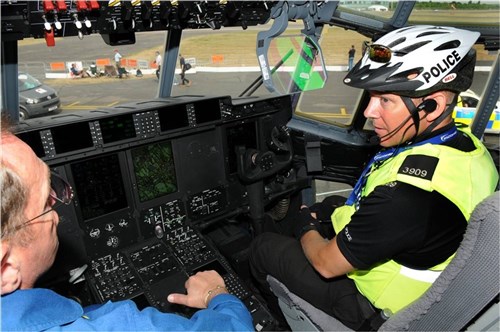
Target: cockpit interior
[(182, 179)]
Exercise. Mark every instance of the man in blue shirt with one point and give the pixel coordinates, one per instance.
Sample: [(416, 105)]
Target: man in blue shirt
[(76, 72), (29, 193), (118, 63)]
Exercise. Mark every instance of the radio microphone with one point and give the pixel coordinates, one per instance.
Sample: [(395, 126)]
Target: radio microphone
[(374, 140)]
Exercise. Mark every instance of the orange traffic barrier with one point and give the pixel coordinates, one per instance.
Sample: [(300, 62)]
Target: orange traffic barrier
[(217, 58), (102, 62), (58, 66), (128, 62)]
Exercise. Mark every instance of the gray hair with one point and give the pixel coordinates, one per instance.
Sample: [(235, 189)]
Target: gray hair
[(14, 197)]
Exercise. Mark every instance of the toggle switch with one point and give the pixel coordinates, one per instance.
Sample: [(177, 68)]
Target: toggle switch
[(87, 23), (113, 25), (57, 24), (46, 24), (78, 24)]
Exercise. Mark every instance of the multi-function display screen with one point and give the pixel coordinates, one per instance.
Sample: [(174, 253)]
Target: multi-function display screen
[(34, 140), (99, 186), (117, 128), (154, 170), (173, 117), (207, 111), (72, 137)]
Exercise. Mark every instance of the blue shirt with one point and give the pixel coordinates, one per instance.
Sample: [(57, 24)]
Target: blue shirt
[(42, 309)]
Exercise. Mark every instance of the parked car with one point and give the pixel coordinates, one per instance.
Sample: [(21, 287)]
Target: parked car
[(466, 110), (36, 98)]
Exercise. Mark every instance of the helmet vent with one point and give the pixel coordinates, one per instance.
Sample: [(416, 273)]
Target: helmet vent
[(406, 75), (403, 30), (448, 45), (430, 33), (397, 42), (413, 47)]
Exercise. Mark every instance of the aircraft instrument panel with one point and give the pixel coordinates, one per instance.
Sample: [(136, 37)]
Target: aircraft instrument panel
[(147, 177)]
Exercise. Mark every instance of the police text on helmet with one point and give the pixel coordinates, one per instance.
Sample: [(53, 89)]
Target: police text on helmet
[(442, 66)]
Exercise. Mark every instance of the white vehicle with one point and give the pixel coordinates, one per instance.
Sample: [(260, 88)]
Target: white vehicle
[(36, 99), (378, 8)]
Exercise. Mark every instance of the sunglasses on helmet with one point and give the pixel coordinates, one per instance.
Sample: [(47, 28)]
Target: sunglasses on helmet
[(380, 53)]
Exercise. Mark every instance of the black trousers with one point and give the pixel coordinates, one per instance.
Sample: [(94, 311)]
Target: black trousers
[(119, 69), (282, 257), (184, 80)]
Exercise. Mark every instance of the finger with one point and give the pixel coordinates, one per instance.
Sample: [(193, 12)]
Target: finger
[(178, 298), (306, 211)]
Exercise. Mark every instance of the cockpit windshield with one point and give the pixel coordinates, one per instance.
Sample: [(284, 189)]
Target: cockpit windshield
[(212, 60)]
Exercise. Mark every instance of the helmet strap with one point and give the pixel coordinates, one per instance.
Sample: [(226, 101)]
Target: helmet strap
[(414, 114)]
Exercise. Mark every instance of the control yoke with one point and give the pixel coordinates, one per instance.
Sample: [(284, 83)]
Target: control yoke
[(255, 165)]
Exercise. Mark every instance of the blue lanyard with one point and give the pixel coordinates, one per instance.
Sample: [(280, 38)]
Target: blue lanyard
[(383, 155)]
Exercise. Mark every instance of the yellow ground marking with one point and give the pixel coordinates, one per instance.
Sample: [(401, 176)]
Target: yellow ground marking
[(76, 106)]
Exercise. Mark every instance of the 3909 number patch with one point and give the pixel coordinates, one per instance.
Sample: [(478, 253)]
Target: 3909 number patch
[(419, 166)]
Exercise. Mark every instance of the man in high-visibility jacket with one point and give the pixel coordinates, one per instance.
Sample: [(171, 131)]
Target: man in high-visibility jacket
[(407, 214)]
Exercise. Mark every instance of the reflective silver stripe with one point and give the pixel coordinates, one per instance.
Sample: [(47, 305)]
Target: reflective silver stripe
[(420, 275)]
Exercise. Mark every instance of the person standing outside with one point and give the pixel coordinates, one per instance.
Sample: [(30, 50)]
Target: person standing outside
[(158, 62), (184, 67), (408, 212), (350, 55), (31, 193), (118, 58)]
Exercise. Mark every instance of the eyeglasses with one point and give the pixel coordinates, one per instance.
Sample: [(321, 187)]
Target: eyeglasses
[(60, 193), (380, 53)]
